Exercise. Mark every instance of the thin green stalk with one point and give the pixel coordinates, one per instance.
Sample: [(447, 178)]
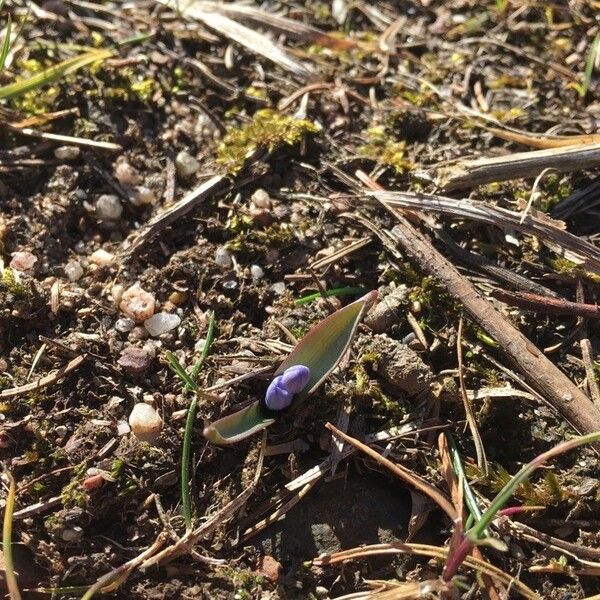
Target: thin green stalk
[(344, 291), (186, 451), (476, 533), (589, 65), (9, 568), (6, 44), (470, 500)]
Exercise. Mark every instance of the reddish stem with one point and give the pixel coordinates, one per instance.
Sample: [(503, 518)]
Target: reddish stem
[(456, 559)]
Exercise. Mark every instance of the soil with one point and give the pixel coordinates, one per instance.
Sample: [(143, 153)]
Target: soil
[(86, 486)]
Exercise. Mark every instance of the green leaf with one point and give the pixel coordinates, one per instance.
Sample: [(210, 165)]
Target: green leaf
[(54, 73), (321, 350), (5, 45)]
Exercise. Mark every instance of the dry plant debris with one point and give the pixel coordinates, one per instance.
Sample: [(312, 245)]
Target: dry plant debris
[(187, 189)]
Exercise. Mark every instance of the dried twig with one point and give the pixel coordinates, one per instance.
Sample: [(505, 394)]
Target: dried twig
[(543, 375), (553, 306), (44, 381), (588, 363), (471, 173), (545, 229)]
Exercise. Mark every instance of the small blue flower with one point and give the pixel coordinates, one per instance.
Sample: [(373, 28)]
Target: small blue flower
[(281, 390)]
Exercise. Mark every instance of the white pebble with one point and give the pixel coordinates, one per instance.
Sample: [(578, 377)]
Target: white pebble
[(256, 272), (126, 174), (137, 304), (142, 195), (73, 270), (145, 422), (199, 345), (102, 258), (161, 323), (124, 324), (261, 199), (123, 427), (186, 165), (67, 152), (223, 257), (279, 287), (339, 11), (116, 292), (108, 207), (23, 261)]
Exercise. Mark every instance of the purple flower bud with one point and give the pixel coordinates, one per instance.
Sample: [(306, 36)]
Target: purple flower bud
[(277, 398), (295, 379), (281, 390)]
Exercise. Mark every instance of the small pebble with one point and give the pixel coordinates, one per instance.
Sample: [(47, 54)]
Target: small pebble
[(223, 257), (123, 427), (102, 258), (199, 345), (177, 297), (23, 261), (269, 567), (145, 423), (161, 323), (117, 293), (127, 175), (108, 207), (186, 165), (73, 534), (73, 270), (124, 324), (142, 196), (230, 284), (134, 361), (339, 11), (67, 152), (278, 288), (261, 199), (137, 304), (256, 272)]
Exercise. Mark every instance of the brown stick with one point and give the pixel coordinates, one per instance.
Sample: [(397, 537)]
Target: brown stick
[(470, 173), (540, 372), (553, 306)]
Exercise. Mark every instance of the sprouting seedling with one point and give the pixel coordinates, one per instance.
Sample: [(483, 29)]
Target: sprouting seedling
[(313, 358)]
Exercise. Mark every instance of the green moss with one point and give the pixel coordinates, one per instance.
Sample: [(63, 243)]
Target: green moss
[(382, 148), (73, 494), (564, 266), (260, 240), (10, 282), (34, 102), (268, 129)]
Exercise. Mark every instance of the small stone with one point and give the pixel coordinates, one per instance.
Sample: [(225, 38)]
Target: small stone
[(126, 174), (23, 261), (268, 567), (161, 323), (123, 427), (137, 304), (67, 152), (177, 297), (199, 345), (278, 288), (142, 196), (186, 165), (261, 199), (223, 257), (73, 270), (339, 11), (116, 292), (108, 207), (134, 361), (256, 272), (124, 324), (388, 311), (321, 592), (102, 258), (145, 423), (230, 284), (73, 534)]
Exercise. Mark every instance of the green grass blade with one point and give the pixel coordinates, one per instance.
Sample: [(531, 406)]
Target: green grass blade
[(509, 489), (5, 44), (238, 426), (186, 449), (53, 73), (589, 65), (9, 569), (338, 292)]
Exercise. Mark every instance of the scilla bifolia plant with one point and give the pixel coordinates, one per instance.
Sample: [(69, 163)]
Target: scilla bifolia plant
[(315, 356)]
